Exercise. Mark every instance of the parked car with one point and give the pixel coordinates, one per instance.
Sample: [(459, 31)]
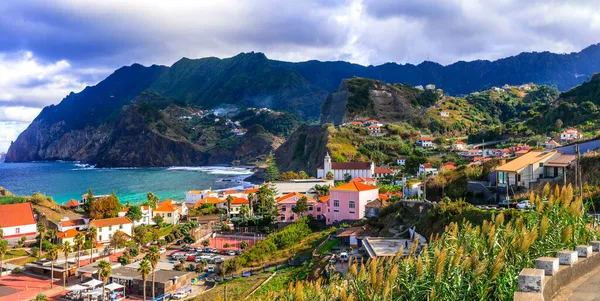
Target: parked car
[(524, 205), (218, 259), (207, 250), (210, 269), (238, 252), (179, 296), (162, 250), (215, 250), (191, 258), (344, 256), (507, 204), (231, 253), (199, 249), (223, 252)]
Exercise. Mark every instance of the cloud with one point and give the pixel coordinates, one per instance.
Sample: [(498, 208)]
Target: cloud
[(9, 131), (24, 114)]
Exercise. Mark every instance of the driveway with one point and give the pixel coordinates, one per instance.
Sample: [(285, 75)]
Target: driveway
[(586, 288)]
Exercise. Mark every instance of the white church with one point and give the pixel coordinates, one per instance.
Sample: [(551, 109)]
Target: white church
[(339, 169)]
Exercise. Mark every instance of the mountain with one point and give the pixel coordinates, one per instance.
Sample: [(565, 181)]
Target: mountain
[(2, 157), (103, 122)]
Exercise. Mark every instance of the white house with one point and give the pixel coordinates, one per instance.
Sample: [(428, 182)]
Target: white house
[(459, 146), (444, 113), (430, 87), (79, 224), (551, 144), (107, 227), (425, 141), (374, 130), (170, 211), (401, 161), (192, 196), (17, 220), (570, 134), (426, 169), (339, 169), (146, 215), (96, 197)]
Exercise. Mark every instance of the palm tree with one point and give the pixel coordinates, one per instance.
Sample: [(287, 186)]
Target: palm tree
[(53, 255), (41, 226), (104, 273), (92, 235), (53, 235), (244, 211), (229, 200), (3, 249), (144, 270), (153, 256), (79, 242), (66, 250)]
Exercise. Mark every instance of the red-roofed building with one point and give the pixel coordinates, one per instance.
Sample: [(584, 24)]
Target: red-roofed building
[(357, 123), (236, 206), (449, 166), (459, 146), (107, 227), (374, 130), (381, 172), (78, 224), (69, 236), (146, 215), (425, 141), (286, 204), (367, 181), (341, 169), (444, 113), (17, 220), (73, 203), (347, 201), (426, 169)]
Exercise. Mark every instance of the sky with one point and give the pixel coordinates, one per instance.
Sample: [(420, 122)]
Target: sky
[(50, 48)]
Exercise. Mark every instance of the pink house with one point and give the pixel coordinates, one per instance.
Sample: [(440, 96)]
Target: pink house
[(285, 203), (347, 201)]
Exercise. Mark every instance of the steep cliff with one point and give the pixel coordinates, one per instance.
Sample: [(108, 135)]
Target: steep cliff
[(304, 149), (362, 99)]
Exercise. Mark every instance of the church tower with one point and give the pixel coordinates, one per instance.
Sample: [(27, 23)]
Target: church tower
[(326, 164)]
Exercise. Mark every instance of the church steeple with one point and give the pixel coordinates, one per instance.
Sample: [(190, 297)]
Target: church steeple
[(327, 163)]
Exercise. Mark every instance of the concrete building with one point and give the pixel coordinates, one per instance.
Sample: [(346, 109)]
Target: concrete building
[(348, 201), (425, 142), (286, 204), (79, 224), (524, 170), (426, 169), (69, 236), (193, 196), (340, 169), (170, 211), (146, 215), (303, 186), (389, 247), (459, 146), (107, 227), (17, 220), (570, 134)]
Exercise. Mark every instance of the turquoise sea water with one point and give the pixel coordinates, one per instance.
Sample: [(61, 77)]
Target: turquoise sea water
[(67, 180)]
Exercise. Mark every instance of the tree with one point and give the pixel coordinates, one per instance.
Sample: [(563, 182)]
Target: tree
[(106, 207), (92, 234), (266, 202), (558, 124), (79, 241), (301, 206), (89, 200), (52, 254), (3, 250), (347, 177), (66, 250), (412, 164), (153, 256), (134, 213), (144, 270), (272, 170), (229, 199), (104, 273), (289, 175), (244, 211), (158, 220), (118, 240), (321, 190), (303, 175), (152, 200), (244, 245), (330, 176), (205, 243), (41, 227)]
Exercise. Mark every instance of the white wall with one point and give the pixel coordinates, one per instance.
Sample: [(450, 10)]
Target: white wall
[(106, 233), (17, 231)]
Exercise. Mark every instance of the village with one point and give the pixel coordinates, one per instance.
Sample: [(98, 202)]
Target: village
[(180, 249)]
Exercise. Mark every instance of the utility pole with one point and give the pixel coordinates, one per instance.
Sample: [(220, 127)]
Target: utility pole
[(576, 167), (580, 174)]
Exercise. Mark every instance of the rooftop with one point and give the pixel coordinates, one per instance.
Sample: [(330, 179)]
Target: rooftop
[(106, 222), (525, 160), (383, 247), (16, 215), (354, 186), (293, 194), (351, 165), (560, 161), (72, 222)]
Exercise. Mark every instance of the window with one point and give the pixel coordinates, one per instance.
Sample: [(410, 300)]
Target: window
[(310, 208), (282, 208), (352, 204), (283, 217), (336, 210), (541, 164), (109, 236), (318, 209), (336, 203), (109, 228), (100, 229), (120, 226), (291, 218), (169, 214), (351, 212), (100, 237), (17, 230)]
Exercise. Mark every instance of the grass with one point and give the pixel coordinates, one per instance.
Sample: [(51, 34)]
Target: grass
[(237, 289), (22, 261), (165, 230), (11, 200), (15, 253), (329, 245), (282, 280)]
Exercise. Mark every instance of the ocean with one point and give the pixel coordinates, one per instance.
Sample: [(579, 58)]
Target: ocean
[(68, 180)]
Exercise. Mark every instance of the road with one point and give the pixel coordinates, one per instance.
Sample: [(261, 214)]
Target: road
[(478, 145), (586, 288)]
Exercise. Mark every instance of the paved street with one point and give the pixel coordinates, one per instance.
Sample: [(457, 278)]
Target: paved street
[(586, 288)]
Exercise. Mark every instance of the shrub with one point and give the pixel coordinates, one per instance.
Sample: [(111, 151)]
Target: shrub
[(16, 270)]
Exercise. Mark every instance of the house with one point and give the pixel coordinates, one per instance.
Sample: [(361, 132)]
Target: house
[(381, 172), (94, 198), (234, 193), (366, 181), (78, 224), (459, 146), (286, 204), (304, 186), (425, 141), (169, 211), (356, 123), (72, 204), (430, 87), (347, 201), (340, 169), (192, 196), (524, 170), (107, 227), (371, 122), (166, 281), (17, 220), (448, 166), (570, 134), (146, 215), (401, 161), (444, 113), (374, 130), (382, 247), (354, 236), (426, 169), (551, 144), (210, 201), (236, 205), (372, 208), (69, 236), (474, 153), (414, 190), (521, 152)]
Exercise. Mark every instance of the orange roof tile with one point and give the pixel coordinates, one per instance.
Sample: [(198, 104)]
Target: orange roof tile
[(68, 234), (105, 222), (292, 194), (354, 186), (383, 197), (209, 200), (231, 191), (73, 222), (72, 203), (166, 207), (459, 142), (251, 190), (426, 138), (427, 165), (323, 199), (383, 170), (16, 215), (361, 179), (239, 201)]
